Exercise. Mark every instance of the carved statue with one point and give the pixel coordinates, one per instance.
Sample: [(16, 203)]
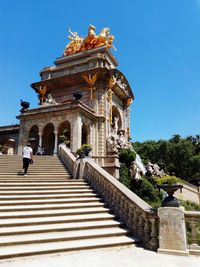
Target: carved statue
[(49, 100), (135, 171), (91, 41), (91, 80), (115, 142), (129, 101), (75, 44), (42, 92), (112, 81), (137, 168), (112, 145), (154, 170), (116, 125)]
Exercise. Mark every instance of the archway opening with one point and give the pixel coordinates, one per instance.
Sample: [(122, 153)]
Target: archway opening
[(64, 133), (34, 138), (48, 139), (85, 134)]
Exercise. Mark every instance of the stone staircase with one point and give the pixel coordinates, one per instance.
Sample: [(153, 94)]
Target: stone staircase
[(47, 212)]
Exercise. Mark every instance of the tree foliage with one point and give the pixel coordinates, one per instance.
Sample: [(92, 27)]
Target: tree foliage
[(177, 156)]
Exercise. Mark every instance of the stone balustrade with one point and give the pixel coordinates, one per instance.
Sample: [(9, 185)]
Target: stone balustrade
[(68, 159), (192, 219), (136, 214)]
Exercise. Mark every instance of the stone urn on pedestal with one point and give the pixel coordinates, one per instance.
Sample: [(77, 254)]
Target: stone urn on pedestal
[(25, 105), (170, 185)]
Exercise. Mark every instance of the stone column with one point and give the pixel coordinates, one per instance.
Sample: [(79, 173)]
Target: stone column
[(55, 151), (40, 138), (172, 231), (76, 133)]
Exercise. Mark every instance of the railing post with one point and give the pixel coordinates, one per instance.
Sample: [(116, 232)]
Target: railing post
[(172, 232)]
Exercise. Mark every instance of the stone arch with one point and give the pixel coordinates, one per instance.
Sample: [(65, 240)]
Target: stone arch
[(85, 134), (34, 138), (116, 119), (48, 139), (64, 129)]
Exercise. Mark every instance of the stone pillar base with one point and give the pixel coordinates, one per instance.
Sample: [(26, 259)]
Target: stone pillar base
[(173, 252), (111, 165), (172, 231)]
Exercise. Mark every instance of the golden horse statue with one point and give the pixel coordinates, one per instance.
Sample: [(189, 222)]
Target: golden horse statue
[(91, 41)]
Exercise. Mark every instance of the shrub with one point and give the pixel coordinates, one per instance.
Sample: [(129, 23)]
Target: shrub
[(170, 180), (124, 175)]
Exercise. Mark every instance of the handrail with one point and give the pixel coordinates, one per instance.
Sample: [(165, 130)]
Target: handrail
[(136, 214), (68, 159)]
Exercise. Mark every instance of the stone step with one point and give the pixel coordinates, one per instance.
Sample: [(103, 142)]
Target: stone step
[(45, 213), (36, 175), (28, 179), (14, 222), (49, 201), (48, 212), (45, 195), (63, 246), (38, 193), (41, 182), (42, 228), (60, 236), (50, 206), (45, 186), (34, 170), (45, 189)]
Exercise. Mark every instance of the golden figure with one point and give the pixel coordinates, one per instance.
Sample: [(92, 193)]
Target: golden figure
[(129, 101), (88, 42), (91, 41), (42, 92), (75, 44), (91, 80), (111, 83)]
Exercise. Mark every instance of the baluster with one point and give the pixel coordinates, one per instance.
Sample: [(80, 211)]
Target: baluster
[(147, 230), (153, 243), (121, 208), (141, 226), (194, 238), (135, 221), (130, 217), (125, 212)]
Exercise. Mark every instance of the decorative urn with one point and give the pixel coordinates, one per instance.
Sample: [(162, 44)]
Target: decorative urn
[(77, 95), (25, 105)]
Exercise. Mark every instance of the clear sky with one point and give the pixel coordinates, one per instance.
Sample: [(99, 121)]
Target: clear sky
[(158, 50)]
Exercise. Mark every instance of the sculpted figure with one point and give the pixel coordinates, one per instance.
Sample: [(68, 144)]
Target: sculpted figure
[(116, 125), (50, 100), (135, 172), (89, 42), (112, 145), (154, 169), (75, 44)]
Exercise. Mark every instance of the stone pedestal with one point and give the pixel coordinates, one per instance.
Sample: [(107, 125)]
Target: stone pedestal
[(172, 231), (112, 165)]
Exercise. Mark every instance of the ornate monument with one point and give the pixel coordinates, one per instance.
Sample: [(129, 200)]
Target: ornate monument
[(100, 117)]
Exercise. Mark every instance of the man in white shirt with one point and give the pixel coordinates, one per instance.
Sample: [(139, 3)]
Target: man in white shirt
[(27, 157)]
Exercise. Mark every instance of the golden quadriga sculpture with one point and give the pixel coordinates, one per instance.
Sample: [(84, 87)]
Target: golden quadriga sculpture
[(79, 44)]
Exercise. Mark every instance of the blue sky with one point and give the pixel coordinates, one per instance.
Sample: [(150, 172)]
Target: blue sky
[(158, 50)]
